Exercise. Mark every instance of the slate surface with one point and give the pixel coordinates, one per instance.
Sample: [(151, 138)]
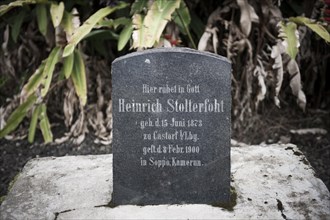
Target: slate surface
[(171, 127)]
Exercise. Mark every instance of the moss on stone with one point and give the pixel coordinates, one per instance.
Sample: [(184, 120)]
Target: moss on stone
[(2, 198), (232, 202), (11, 184)]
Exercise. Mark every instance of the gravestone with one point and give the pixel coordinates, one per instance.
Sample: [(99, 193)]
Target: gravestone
[(171, 128)]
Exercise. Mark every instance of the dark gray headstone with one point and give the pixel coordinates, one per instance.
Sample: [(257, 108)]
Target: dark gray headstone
[(171, 127)]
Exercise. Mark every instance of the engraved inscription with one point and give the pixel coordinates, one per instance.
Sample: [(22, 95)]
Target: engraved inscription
[(176, 134)]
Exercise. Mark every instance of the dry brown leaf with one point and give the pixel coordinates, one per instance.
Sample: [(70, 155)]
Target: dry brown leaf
[(79, 126), (203, 42), (79, 139), (75, 22), (108, 119), (248, 15), (235, 143), (103, 142), (100, 97), (295, 83), (260, 73), (2, 118), (278, 68), (165, 43), (215, 40), (238, 46), (4, 45), (60, 36), (69, 104), (309, 131), (62, 139)]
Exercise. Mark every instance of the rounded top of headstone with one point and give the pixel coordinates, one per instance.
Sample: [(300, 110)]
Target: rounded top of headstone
[(173, 50)]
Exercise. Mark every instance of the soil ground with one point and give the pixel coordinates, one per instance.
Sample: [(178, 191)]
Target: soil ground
[(271, 127)]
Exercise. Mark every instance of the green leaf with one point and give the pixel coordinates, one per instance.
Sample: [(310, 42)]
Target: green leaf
[(78, 77), (52, 60), (56, 12), (17, 116), (88, 25), (105, 23), (317, 28), (288, 33), (198, 27), (61, 76), (109, 23), (121, 21), (42, 18), (97, 40), (155, 21), (43, 75), (104, 34), (33, 123), (138, 33), (68, 50), (138, 6), (45, 125), (182, 18), (35, 80), (5, 8), (68, 65), (124, 36), (67, 23), (17, 24)]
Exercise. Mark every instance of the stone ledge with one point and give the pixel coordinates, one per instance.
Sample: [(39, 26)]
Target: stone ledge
[(271, 181)]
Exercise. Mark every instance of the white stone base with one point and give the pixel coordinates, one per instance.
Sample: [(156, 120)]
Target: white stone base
[(271, 182)]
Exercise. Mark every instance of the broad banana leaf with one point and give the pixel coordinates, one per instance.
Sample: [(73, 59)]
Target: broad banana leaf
[(88, 25), (182, 18), (138, 6), (154, 23)]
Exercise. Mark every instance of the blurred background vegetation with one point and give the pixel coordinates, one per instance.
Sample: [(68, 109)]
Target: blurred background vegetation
[(56, 58)]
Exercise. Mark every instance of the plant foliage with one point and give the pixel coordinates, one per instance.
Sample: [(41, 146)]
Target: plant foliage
[(60, 51)]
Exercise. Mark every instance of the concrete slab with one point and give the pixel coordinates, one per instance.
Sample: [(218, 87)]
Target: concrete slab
[(271, 182)]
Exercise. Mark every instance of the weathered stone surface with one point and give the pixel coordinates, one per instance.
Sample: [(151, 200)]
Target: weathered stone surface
[(52, 185), (271, 182), (171, 127)]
